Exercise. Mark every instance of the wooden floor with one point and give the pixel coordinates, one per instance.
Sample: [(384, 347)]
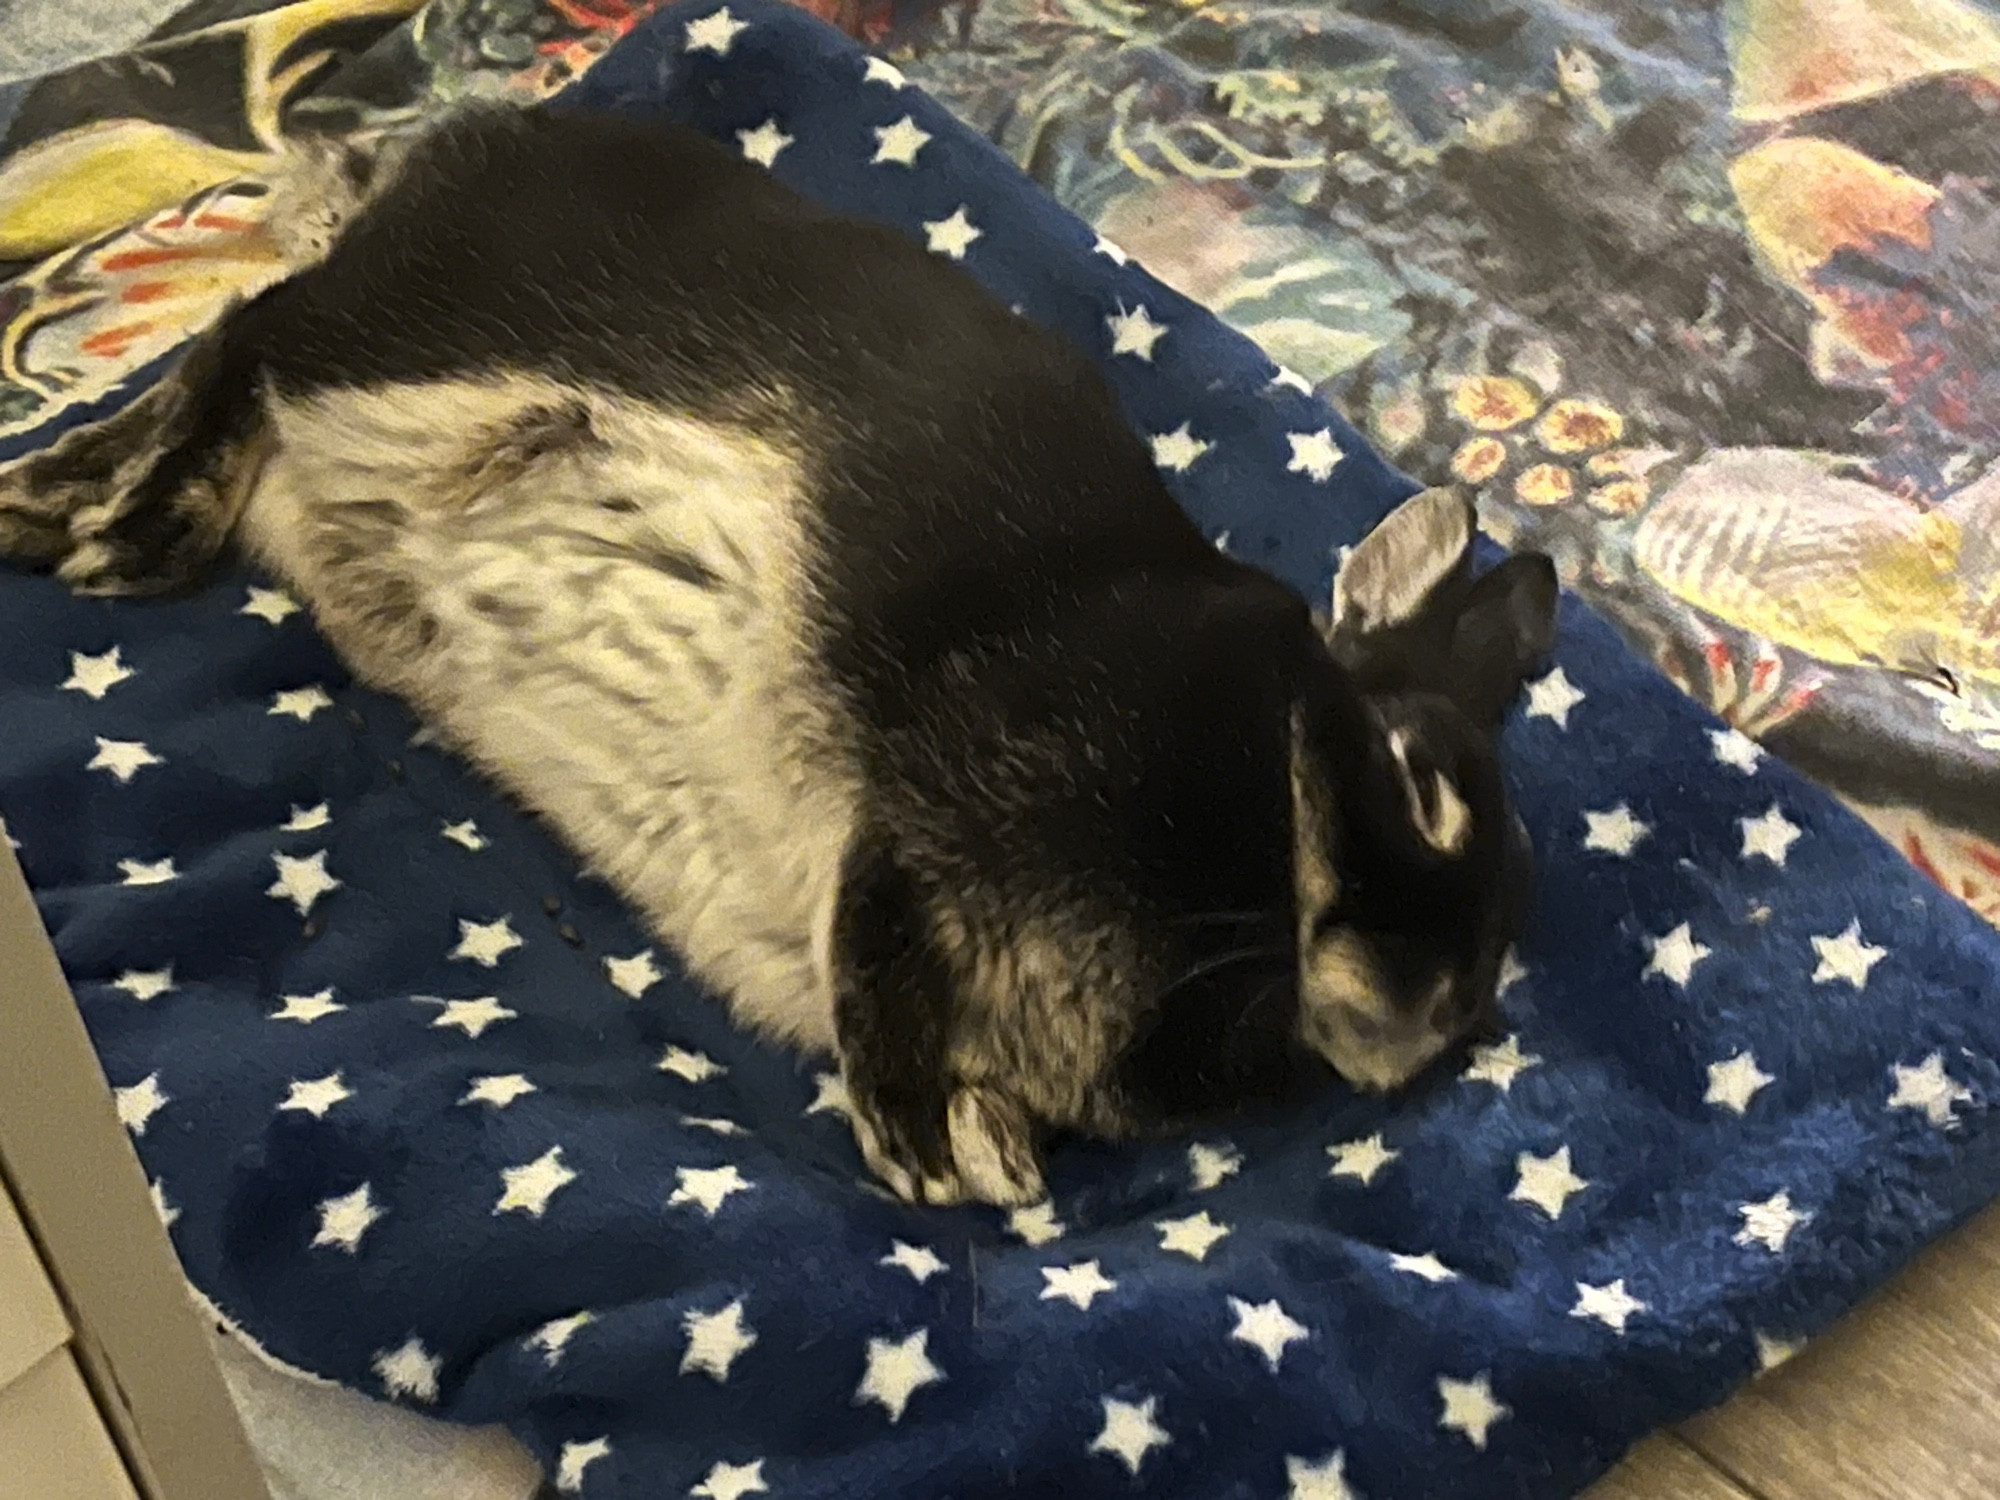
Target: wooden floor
[(1900, 1401)]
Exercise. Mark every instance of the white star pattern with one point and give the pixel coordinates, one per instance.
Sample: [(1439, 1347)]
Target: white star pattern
[(952, 237), (315, 1096), (1193, 1236), (466, 835), (1674, 956), (1292, 380), (147, 872), (139, 1102), (1552, 697), (497, 1089), (1469, 1407), (1546, 1181), (1176, 451), (634, 975), (485, 943), (1770, 1223), (1770, 836), (469, 1016), (1772, 1352), (528, 1187), (898, 144), (299, 703), (919, 1260), (1610, 1305), (409, 1370), (880, 71), (695, 1067), (577, 1456), (1846, 957), (706, 1187), (763, 144), (161, 1206), (94, 676), (1361, 1159), (1135, 332), (1037, 1224), (1079, 1285), (1929, 1089), (715, 1340), (1130, 1432), (1614, 831), (715, 32), (145, 984), (1324, 1480), (1265, 1327), (345, 1219), (1733, 1084), (1500, 1063), (1512, 972), (306, 1009), (897, 1370), (272, 606), (1110, 252), (307, 819), (1735, 749), (553, 1337), (713, 1124), (1314, 454), (1211, 1166), (124, 759), (726, 1481), (1426, 1265), (302, 881)]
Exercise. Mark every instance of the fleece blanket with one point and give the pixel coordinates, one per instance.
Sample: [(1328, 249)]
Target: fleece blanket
[(429, 1115)]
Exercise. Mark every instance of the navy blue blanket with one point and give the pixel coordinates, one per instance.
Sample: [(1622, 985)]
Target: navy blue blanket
[(429, 1114)]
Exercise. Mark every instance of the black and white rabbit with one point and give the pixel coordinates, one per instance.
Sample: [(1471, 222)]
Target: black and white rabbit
[(836, 616)]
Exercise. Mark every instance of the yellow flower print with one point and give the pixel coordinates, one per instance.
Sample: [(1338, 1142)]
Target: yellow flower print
[(1479, 460), (1493, 403), (1544, 485), (1578, 427)]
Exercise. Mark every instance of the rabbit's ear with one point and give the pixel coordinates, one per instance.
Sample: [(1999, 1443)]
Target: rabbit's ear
[(1505, 626), (1392, 573)]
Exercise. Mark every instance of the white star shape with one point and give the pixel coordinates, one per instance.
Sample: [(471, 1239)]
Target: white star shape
[(528, 1187), (12, 842), (1175, 451), (1610, 1305), (343, 1220), (470, 1016), (161, 1206), (1500, 1063), (898, 144), (763, 144), (145, 984), (1552, 697), (299, 703), (147, 872), (1770, 1223), (139, 1102), (920, 1261), (315, 1096), (1361, 1159), (952, 237), (577, 1456), (1079, 1284), (715, 32), (1930, 1089), (715, 1339), (553, 1337), (695, 1067), (1614, 831), (727, 1481), (485, 943), (1546, 1181), (1469, 1407), (706, 1187), (302, 881), (1732, 747), (409, 1370), (714, 1124), (1135, 332), (1110, 252), (897, 1370), (1733, 1084), (1426, 1265), (306, 1009), (1037, 1223), (1674, 955), (1211, 1166), (1292, 380), (467, 835), (1770, 836), (307, 819), (1314, 454), (272, 606), (1512, 972), (1324, 1480), (497, 1089), (124, 759), (1265, 1327), (1193, 1236), (1130, 1432), (634, 975), (1846, 957), (1772, 1352), (94, 676), (880, 71)]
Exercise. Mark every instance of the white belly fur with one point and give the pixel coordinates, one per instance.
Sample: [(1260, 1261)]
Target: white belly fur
[(676, 735)]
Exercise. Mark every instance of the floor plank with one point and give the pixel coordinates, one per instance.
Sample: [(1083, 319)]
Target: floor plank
[(1664, 1468), (1896, 1402)]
